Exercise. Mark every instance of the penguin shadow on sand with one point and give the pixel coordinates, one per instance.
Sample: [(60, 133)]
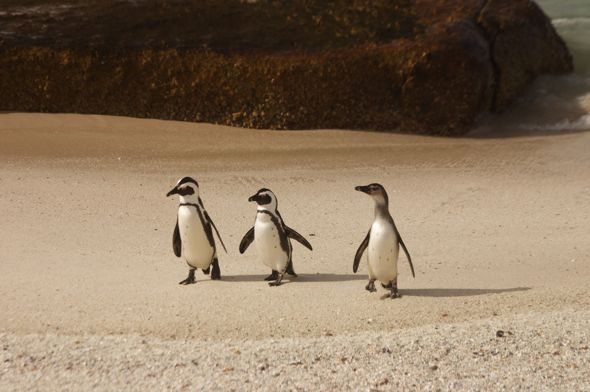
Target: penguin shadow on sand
[(450, 293), (301, 278)]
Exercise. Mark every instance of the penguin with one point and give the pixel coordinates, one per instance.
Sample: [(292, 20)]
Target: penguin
[(193, 237), (272, 237), (383, 241)]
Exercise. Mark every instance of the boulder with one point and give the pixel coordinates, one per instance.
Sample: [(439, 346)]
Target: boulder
[(524, 45), (423, 66), (449, 82)]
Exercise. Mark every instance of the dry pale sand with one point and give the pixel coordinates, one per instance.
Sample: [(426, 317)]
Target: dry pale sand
[(497, 227)]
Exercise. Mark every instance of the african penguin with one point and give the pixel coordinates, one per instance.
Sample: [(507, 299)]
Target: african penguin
[(272, 237), (383, 241), (193, 237)]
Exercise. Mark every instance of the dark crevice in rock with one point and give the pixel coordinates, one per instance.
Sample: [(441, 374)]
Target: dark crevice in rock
[(491, 42), (523, 45)]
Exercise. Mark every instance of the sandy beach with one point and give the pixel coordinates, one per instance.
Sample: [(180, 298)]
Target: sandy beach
[(89, 296)]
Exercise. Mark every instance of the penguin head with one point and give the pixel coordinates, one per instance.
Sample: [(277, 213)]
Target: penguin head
[(265, 199), (187, 189), (376, 191)]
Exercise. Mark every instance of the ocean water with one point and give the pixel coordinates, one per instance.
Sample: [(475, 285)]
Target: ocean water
[(555, 103), (573, 24)]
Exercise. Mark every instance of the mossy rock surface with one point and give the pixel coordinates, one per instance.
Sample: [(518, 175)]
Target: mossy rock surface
[(420, 66)]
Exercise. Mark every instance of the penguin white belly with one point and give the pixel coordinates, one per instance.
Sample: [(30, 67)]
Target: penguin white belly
[(196, 248), (268, 244), (383, 251)]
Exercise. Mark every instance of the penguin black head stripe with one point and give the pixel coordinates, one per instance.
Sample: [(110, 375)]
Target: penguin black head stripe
[(186, 186), (186, 180), (263, 197)]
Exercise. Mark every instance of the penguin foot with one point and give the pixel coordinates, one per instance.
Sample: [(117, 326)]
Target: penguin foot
[(278, 281), (394, 293), (206, 271), (370, 287), (190, 278), (215, 270), (273, 276)]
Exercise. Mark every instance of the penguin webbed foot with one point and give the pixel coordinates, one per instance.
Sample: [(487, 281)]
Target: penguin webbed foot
[(278, 281), (394, 293), (392, 287), (215, 270), (190, 279), (206, 270), (273, 276), (370, 287)]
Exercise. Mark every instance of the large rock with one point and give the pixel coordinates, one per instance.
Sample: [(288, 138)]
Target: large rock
[(449, 82), (524, 45), (424, 67)]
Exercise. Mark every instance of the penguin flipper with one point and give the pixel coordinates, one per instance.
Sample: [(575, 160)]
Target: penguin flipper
[(176, 241), (216, 231), (360, 251), (297, 237), (401, 242), (247, 240)]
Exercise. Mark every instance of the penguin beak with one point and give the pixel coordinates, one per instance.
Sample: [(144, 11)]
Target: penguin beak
[(362, 188), (253, 198), (173, 191)]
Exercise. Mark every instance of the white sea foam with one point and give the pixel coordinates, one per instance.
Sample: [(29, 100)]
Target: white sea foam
[(559, 22), (552, 104), (580, 124)]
